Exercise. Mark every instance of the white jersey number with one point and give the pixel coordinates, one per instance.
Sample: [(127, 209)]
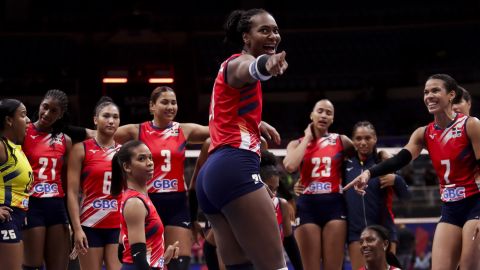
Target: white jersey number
[(107, 183), (44, 162), (326, 172), (446, 162), (167, 164)]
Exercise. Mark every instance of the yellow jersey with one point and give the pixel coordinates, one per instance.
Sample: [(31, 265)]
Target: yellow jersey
[(16, 177)]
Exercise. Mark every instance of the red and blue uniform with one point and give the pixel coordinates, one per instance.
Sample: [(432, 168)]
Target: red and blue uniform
[(167, 188), (153, 231), (168, 153), (46, 156), (321, 174), (321, 169), (235, 114), (99, 209), (454, 160), (233, 166)]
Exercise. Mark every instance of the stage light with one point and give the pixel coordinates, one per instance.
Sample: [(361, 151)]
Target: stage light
[(160, 80), (115, 80)]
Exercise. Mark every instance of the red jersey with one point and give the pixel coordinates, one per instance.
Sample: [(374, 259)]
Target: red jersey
[(153, 231), (168, 153), (46, 156), (99, 208), (321, 169), (453, 158), (278, 213), (235, 114)]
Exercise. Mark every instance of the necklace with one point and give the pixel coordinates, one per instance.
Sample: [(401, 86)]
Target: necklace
[(104, 148)]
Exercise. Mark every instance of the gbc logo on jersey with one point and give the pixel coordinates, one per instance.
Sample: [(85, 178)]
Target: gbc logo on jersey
[(46, 188), (166, 184), (453, 194), (105, 204), (320, 187)]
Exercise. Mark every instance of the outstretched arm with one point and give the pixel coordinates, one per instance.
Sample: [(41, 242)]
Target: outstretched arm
[(126, 133), (195, 133), (245, 69), (411, 151)]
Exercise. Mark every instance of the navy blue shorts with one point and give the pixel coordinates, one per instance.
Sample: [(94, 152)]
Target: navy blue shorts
[(459, 212), (320, 208), (99, 237), (11, 231), (46, 212), (227, 174), (128, 266), (172, 207)]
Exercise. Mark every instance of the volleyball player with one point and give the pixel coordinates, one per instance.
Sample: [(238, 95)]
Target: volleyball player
[(167, 189), (96, 225), (229, 188), (271, 176), (16, 178), (453, 143), (141, 227), (321, 211), (47, 236), (375, 207), (374, 247), (464, 104)]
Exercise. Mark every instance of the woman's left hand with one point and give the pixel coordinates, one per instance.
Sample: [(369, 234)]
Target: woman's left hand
[(171, 252), (269, 132)]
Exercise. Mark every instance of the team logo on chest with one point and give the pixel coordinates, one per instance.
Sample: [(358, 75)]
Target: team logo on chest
[(328, 141), (456, 132)]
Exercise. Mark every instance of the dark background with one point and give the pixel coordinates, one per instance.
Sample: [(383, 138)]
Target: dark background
[(371, 59)]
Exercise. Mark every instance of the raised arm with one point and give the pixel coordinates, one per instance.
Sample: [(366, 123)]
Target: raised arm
[(245, 69), (75, 160), (195, 133), (296, 151), (127, 133)]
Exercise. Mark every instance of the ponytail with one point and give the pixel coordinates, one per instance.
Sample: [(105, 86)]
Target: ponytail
[(393, 260), (119, 178), (119, 181)]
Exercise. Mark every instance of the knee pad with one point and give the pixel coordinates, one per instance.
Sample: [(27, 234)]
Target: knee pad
[(211, 258), (181, 263)]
